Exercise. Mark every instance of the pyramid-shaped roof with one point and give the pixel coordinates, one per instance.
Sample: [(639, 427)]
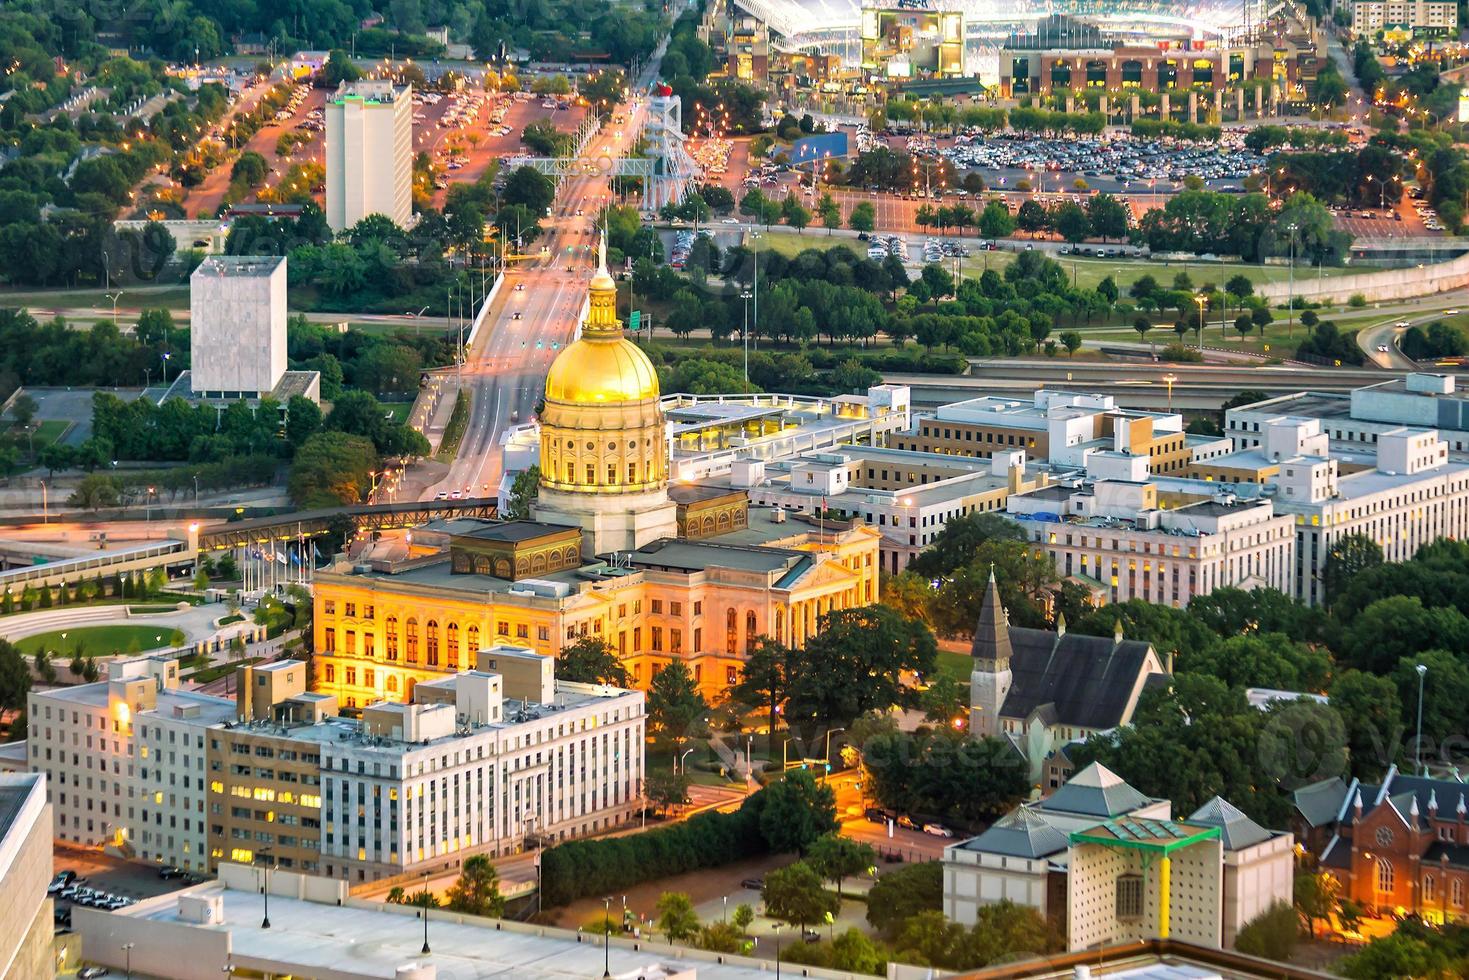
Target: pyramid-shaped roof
[(1020, 833), (1236, 830), (1096, 791)]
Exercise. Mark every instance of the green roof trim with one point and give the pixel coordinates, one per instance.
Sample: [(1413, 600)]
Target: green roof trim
[(1145, 834)]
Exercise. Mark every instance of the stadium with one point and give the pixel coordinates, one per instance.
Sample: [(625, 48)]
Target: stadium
[(835, 26)]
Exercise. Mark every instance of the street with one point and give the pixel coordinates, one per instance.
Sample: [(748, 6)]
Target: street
[(534, 315)]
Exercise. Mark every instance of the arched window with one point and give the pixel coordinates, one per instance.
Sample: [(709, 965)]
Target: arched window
[(1430, 889), (780, 624), (1384, 876), (390, 637), (473, 636), (731, 639), (451, 635), (410, 641), (1457, 890), (392, 684), (431, 643), (749, 631)]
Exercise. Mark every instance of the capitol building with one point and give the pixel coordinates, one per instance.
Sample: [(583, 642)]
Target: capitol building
[(660, 571)]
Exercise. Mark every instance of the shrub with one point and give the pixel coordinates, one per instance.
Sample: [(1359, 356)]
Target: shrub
[(1357, 301)]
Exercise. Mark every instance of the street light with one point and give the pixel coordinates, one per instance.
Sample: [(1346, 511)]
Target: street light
[(1418, 742), (679, 761), (426, 899), (1168, 379), (745, 336), (1290, 306), (127, 949), (776, 929), (607, 937), (265, 891)]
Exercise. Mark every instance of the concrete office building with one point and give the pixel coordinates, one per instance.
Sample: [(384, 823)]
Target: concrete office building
[(25, 869), (1107, 865), (1054, 426), (479, 762), (237, 335), (369, 153), (1117, 535), (1413, 496), (907, 497), (1408, 18), (1352, 421), (124, 761)]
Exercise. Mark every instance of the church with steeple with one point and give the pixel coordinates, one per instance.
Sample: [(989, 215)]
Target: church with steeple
[(1041, 690)]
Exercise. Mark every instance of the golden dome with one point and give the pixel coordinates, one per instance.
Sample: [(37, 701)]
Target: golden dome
[(597, 371)]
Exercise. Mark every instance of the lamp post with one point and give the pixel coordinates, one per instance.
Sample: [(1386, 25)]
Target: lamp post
[(1201, 299), (1168, 379), (679, 762), (606, 937), (755, 283), (127, 949), (776, 929), (745, 336), (1290, 304), (114, 297), (1418, 742), (265, 889), (426, 899), (829, 733)]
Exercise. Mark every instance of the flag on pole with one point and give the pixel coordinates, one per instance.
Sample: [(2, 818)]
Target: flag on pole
[(280, 557)]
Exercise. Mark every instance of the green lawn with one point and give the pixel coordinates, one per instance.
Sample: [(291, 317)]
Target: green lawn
[(102, 641), (214, 673), (957, 665), (173, 297), (399, 410), (50, 430)]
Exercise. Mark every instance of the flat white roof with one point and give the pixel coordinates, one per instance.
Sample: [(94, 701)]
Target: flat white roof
[(309, 938)]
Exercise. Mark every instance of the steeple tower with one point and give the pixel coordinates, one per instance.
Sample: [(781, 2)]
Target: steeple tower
[(990, 681)]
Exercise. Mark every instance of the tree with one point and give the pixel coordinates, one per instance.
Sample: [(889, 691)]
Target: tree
[(995, 221), (1108, 216), (961, 541), (743, 916), (835, 857), (797, 811), (590, 660), (201, 579), (15, 677), (902, 893), (1315, 895), (477, 891), (23, 411), (1350, 555), (331, 468), (1142, 325), (863, 217), (1272, 934), (795, 214), (665, 788), (676, 917), (1071, 340), (1262, 660), (764, 682), (676, 709), (523, 491), (1371, 712), (339, 68), (856, 661), (1071, 222), (830, 213), (1032, 217), (794, 893)]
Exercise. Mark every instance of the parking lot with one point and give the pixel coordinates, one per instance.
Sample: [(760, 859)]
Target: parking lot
[(113, 876)]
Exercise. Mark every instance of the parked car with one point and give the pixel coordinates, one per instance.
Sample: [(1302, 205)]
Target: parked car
[(937, 830), (906, 821), (755, 883), (170, 872), (92, 972), (877, 815)]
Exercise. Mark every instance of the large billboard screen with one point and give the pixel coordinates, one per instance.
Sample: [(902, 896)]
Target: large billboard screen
[(814, 149)]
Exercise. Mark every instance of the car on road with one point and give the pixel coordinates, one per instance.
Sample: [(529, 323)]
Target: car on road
[(756, 883), (170, 872), (520, 287), (92, 972), (1404, 324), (1450, 312), (937, 830), (729, 221), (516, 315), (906, 821), (1382, 348), (441, 495), (454, 495)]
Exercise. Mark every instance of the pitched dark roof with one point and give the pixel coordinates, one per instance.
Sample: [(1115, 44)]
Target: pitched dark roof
[(1236, 830), (992, 633), (1072, 679), (1019, 833), (1319, 803), (1446, 793), (1089, 679), (1096, 791), (1457, 854)]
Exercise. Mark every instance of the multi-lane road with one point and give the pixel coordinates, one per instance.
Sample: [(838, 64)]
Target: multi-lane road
[(532, 317)]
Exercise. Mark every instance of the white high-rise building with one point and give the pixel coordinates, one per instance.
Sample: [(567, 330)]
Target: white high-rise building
[(369, 153), (237, 317)]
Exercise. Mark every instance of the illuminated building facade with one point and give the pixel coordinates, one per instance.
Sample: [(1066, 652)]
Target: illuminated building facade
[(689, 573)]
